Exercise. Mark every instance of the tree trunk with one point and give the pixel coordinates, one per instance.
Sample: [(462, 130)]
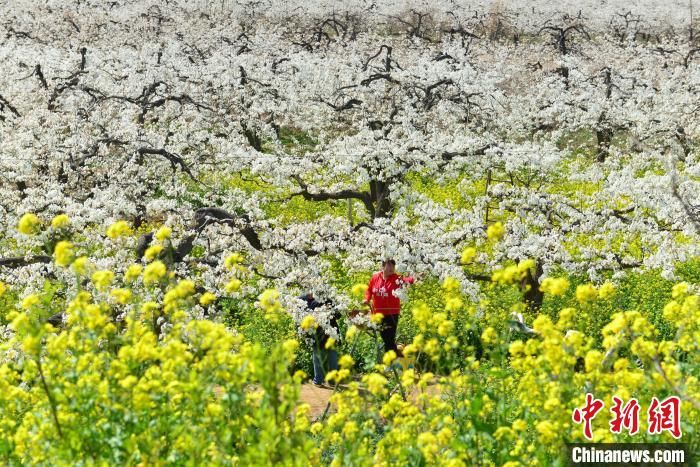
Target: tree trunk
[(381, 198), (531, 285), (603, 134)]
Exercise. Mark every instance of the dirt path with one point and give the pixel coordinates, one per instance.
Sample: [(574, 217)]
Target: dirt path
[(316, 397)]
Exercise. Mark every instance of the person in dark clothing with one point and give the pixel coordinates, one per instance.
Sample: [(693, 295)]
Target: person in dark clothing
[(324, 359)]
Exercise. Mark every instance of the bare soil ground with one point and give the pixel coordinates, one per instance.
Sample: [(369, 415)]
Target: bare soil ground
[(316, 397)]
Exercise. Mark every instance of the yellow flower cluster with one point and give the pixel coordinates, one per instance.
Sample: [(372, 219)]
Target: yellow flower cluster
[(269, 302), (81, 266), (468, 255), (308, 323), (163, 234), (133, 272), (207, 299), (495, 231), (233, 263), (29, 224), (450, 284), (514, 273), (177, 297), (152, 252), (122, 296), (554, 285), (233, 260), (684, 312), (606, 291), (235, 398), (61, 221), (47, 407), (586, 293), (29, 301), (102, 279), (154, 272), (233, 285), (376, 384), (358, 290), (64, 253), (118, 229), (489, 336)]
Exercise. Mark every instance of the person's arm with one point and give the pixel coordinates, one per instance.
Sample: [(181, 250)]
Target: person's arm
[(368, 292), (408, 279)]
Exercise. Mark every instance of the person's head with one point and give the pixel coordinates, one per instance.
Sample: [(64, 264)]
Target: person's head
[(388, 266)]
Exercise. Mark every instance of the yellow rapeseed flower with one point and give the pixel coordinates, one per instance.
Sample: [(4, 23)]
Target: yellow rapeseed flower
[(29, 224), (489, 336), (376, 383), (451, 284), (346, 361), (118, 229), (468, 255), (495, 232), (679, 290), (290, 345), (232, 286), (121, 295), (519, 425), (185, 288), (81, 265), (453, 303), (606, 290), (268, 300), (592, 360), (29, 301), (152, 252), (308, 323), (207, 298), (428, 446), (133, 272), (389, 357), (149, 308), (351, 332), (163, 233), (358, 290), (61, 221), (102, 279), (525, 265), (376, 318), (316, 428), (64, 253), (554, 285), (516, 347), (445, 328), (547, 430), (154, 272), (232, 260), (586, 293)]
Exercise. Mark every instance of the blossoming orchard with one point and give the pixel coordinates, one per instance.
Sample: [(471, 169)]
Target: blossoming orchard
[(194, 196)]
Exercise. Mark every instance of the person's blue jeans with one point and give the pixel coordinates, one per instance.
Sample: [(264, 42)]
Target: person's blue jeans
[(324, 361)]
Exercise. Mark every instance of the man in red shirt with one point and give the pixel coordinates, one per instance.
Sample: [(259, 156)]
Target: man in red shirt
[(380, 292)]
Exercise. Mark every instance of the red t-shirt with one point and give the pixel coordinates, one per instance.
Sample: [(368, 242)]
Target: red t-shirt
[(381, 290)]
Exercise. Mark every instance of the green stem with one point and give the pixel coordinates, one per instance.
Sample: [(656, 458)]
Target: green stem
[(398, 381), (52, 403)]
